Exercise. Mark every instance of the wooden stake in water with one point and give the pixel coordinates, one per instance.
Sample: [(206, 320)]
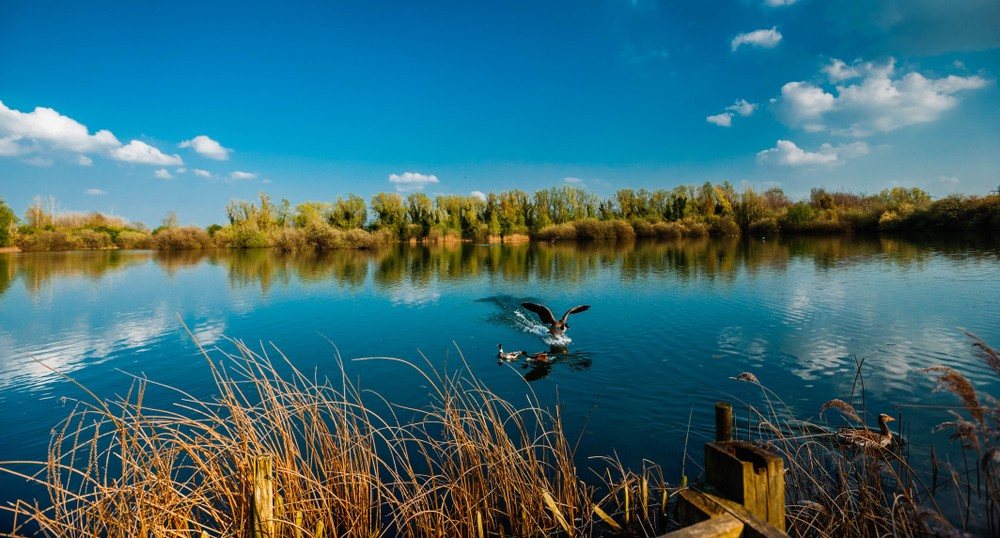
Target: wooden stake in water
[(723, 422)]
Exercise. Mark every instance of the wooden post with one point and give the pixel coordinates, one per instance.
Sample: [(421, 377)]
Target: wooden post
[(263, 497), (723, 422), (750, 476)]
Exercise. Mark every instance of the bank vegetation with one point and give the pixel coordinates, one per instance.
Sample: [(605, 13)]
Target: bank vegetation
[(558, 213)]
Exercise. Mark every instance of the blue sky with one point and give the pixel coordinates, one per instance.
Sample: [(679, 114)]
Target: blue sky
[(143, 107)]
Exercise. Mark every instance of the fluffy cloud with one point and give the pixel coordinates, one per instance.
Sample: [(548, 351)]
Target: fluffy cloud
[(39, 161), (83, 160), (573, 180), (201, 173), (139, 152), (742, 107), (44, 127), (207, 147), (95, 192), (9, 146), (478, 194), (876, 101), (412, 181), (766, 38), (239, 175), (162, 173), (786, 153), (724, 119)]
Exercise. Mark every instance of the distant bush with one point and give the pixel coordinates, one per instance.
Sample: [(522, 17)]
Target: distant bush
[(92, 239), (130, 239), (181, 238), (723, 225), (242, 236), (291, 239), (693, 227), (50, 240), (765, 226), (555, 232)]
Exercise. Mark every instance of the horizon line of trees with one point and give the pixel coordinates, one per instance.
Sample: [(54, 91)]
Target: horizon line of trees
[(563, 212)]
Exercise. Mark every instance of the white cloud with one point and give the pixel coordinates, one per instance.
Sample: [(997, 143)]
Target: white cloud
[(201, 173), (83, 160), (786, 153), (879, 101), (837, 70), (573, 180), (266, 181), (39, 161), (804, 104), (478, 194), (140, 152), (207, 147), (724, 119), (742, 107), (162, 173), (181, 170), (765, 38), (412, 181), (9, 146), (48, 128), (95, 192), (779, 3), (241, 175)]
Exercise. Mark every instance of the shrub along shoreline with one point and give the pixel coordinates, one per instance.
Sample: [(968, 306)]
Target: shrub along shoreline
[(554, 214)]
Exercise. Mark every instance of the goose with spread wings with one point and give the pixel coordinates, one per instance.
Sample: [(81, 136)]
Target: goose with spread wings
[(557, 327)]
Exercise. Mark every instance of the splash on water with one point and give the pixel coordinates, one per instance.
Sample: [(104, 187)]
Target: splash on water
[(533, 327)]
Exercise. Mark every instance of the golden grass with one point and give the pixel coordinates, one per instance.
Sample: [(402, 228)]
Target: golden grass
[(468, 464)]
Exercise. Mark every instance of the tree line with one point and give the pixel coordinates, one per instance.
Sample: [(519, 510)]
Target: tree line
[(557, 213)]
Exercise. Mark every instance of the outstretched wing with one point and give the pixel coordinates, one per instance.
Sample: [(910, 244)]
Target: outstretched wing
[(543, 313), (574, 310)]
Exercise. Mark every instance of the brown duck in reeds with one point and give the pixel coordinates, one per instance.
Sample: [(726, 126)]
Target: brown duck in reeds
[(865, 438), (556, 326)]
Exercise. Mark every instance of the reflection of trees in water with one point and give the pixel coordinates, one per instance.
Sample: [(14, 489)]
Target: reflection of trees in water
[(37, 269), (419, 266)]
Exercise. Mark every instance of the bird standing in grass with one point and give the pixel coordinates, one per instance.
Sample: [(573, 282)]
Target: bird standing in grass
[(557, 327), (865, 438)]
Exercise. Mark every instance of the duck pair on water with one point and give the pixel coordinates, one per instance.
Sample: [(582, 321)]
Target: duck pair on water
[(557, 327), (514, 355)]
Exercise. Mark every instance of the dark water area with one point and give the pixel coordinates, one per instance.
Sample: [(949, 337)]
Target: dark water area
[(670, 324)]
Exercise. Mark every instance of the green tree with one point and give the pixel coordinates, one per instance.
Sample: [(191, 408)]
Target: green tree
[(350, 213), (390, 212), (420, 209), (8, 220)]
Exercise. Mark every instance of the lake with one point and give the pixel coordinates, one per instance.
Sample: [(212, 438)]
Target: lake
[(670, 324)]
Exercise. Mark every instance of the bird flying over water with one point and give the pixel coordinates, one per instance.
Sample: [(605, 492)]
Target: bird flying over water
[(556, 326)]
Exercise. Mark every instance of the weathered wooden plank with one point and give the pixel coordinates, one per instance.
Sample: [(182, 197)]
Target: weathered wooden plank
[(749, 476), (723, 526), (263, 497)]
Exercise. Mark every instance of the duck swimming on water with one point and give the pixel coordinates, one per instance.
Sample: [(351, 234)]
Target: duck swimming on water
[(557, 327), (507, 356), (865, 438), (537, 357)]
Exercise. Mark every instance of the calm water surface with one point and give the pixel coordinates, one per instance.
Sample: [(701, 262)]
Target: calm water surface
[(670, 324)]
